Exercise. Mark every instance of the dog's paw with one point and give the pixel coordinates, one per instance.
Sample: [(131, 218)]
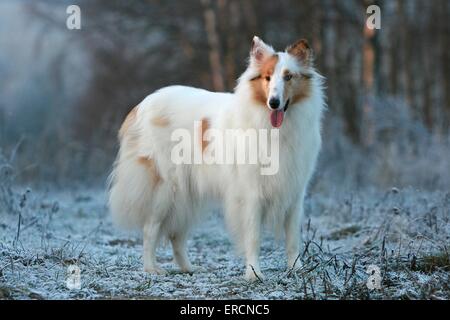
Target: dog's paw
[(253, 275), (155, 270), (192, 269)]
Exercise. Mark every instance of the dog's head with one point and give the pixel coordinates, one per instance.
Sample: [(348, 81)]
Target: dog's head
[(281, 78)]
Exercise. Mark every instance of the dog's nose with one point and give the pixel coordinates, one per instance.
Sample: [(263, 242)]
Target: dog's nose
[(274, 103)]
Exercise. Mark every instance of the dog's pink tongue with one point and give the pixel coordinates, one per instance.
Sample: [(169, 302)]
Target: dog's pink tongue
[(276, 118)]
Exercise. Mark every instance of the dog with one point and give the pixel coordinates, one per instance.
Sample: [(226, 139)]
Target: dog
[(279, 92)]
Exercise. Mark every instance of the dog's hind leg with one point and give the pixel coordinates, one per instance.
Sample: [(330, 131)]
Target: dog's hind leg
[(151, 239), (179, 241)]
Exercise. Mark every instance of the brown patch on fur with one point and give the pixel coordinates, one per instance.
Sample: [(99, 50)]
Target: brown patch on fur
[(260, 85), (160, 121), (299, 88), (129, 121), (203, 128), (152, 169), (302, 51)]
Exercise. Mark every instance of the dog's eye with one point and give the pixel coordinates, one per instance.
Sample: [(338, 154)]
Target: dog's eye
[(287, 77), (306, 76), (267, 78)]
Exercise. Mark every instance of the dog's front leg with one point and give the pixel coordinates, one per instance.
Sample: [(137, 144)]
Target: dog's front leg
[(292, 230), (251, 231)]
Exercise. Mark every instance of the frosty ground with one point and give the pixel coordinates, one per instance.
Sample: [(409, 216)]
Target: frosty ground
[(405, 233)]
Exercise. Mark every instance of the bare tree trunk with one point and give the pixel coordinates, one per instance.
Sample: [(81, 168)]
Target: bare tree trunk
[(230, 58), (445, 57), (368, 60), (2, 125), (214, 46), (394, 53), (409, 56), (371, 78)]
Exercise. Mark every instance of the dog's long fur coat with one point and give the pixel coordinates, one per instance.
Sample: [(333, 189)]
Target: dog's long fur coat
[(150, 192)]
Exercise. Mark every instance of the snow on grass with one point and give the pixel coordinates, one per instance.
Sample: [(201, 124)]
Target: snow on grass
[(403, 232)]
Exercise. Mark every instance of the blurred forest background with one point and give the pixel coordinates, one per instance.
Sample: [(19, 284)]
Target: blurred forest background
[(64, 93)]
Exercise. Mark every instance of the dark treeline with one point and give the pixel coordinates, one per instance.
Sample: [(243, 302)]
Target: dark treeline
[(205, 43), (386, 87)]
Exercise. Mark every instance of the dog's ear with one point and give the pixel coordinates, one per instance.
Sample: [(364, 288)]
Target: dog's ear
[(260, 51), (302, 51)]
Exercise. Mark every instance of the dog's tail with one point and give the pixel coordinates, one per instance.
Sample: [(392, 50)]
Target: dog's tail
[(129, 184)]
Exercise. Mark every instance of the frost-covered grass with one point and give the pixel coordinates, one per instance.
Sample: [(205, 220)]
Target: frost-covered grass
[(404, 232)]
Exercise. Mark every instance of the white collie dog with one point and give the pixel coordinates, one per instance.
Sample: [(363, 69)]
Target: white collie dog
[(279, 91)]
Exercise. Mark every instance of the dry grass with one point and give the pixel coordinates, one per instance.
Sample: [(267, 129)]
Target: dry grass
[(404, 233)]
